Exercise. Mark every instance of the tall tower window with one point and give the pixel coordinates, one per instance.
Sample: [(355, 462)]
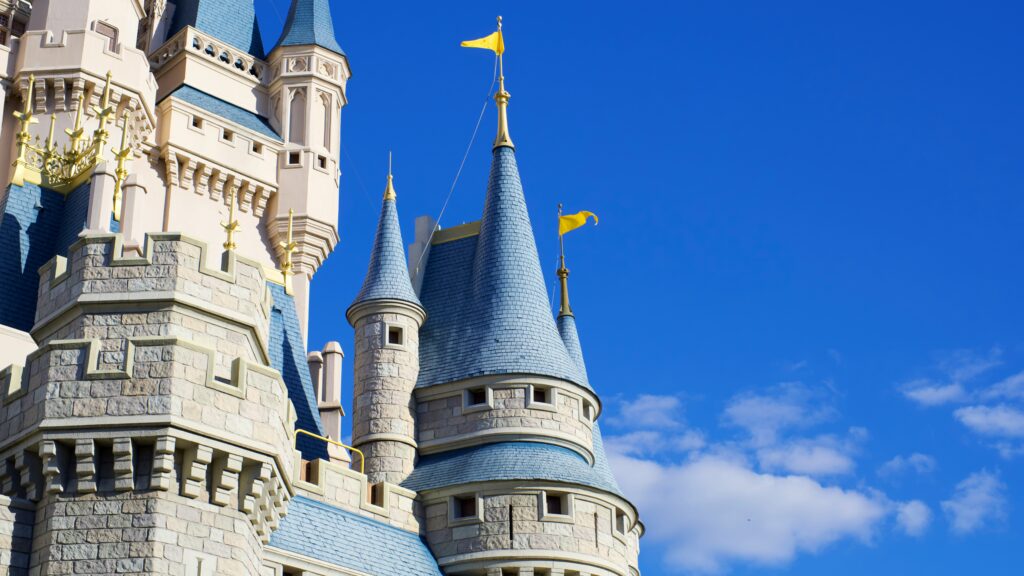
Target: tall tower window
[(108, 31), (297, 118), (325, 102)]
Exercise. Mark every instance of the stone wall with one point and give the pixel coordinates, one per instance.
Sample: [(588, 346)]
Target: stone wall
[(384, 416), (512, 530), (447, 419), (337, 485), (16, 520)]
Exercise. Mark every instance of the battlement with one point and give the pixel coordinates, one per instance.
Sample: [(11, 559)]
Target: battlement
[(174, 272)]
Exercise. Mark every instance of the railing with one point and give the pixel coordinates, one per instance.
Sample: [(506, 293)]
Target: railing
[(362, 457)]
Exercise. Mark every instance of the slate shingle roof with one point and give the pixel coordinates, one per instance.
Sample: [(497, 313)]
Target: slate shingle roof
[(571, 339), (341, 538), (225, 110), (486, 301), (387, 277), (288, 356), (309, 23), (512, 461), (231, 21)]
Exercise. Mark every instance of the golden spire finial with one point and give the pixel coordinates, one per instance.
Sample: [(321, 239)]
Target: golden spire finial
[(563, 273), (288, 247), (232, 225), (389, 192), (103, 112), (502, 97), (121, 172)]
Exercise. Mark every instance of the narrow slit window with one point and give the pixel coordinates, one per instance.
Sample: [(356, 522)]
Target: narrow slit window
[(377, 494)]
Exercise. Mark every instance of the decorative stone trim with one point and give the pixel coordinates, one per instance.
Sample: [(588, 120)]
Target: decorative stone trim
[(197, 458), (85, 466), (163, 463), (123, 480)]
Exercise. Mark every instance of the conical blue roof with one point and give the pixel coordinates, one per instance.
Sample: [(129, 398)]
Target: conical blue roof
[(513, 329), (231, 21), (309, 23), (387, 277), (571, 339)]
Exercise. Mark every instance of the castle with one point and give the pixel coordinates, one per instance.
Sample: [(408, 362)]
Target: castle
[(170, 188)]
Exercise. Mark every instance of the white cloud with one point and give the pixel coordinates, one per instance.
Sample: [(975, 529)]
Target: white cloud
[(1001, 420), (978, 501), (916, 462), (1011, 387), (964, 365), (913, 517), (821, 456), (716, 512), (928, 393), (765, 415), (650, 411), (650, 443)]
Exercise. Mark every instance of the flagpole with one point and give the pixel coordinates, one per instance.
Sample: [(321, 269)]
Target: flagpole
[(563, 272)]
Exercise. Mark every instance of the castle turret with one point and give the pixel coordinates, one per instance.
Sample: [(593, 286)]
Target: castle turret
[(307, 92), (387, 316)]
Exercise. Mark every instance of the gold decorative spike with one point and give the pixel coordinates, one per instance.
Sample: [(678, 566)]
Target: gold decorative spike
[(563, 274), (389, 191), (231, 225), (77, 132), (288, 247), (103, 112), (502, 98), (62, 170), (120, 173), (24, 140)]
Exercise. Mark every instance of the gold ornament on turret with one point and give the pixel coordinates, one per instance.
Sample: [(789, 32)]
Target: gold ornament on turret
[(232, 225), (61, 169), (495, 42), (121, 172), (287, 268)]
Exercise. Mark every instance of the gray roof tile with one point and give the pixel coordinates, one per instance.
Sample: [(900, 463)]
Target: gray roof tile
[(387, 277), (309, 23)]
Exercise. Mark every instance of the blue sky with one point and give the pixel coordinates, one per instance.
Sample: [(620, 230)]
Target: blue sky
[(801, 304)]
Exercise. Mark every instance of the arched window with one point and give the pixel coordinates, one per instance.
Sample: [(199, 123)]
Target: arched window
[(297, 118), (325, 101)]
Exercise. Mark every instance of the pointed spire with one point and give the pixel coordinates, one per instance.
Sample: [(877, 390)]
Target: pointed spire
[(309, 23), (389, 191), (502, 98), (388, 276)]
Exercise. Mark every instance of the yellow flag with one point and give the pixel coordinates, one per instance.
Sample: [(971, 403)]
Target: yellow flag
[(570, 222), (493, 42)]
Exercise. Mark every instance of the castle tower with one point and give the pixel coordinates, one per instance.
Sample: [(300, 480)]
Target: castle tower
[(387, 316), (512, 470), (307, 91)]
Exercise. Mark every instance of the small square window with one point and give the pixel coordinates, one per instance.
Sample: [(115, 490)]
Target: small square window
[(555, 504), (197, 122), (476, 396), (228, 135), (322, 162), (541, 395), (257, 148), (395, 335), (294, 158), (464, 507)]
